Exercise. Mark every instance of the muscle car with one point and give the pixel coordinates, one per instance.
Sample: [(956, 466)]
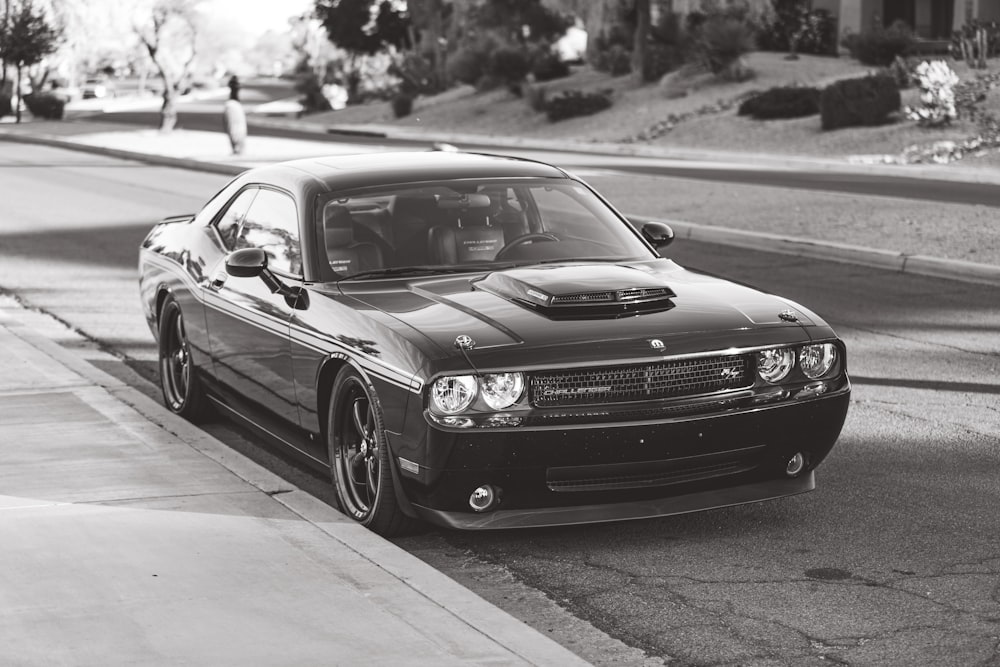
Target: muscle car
[(484, 342)]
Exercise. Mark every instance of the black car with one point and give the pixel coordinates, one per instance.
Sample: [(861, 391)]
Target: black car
[(484, 342)]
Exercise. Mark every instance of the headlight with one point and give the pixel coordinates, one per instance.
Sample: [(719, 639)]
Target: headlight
[(817, 360), (502, 390), (454, 393), (774, 365)]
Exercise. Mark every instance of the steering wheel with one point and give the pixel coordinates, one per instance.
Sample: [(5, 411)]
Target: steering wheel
[(521, 240)]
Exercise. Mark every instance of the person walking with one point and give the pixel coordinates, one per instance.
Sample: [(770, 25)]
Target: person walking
[(233, 117)]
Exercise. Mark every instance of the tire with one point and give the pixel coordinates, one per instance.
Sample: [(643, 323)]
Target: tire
[(360, 457), (183, 393)]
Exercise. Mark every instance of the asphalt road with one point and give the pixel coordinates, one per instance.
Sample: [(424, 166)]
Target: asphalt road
[(893, 560)]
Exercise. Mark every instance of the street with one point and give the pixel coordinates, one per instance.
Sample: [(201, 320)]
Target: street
[(893, 560)]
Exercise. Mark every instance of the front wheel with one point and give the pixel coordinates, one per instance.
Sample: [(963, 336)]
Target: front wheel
[(179, 381), (359, 457)]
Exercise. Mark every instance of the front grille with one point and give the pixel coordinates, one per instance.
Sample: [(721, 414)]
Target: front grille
[(653, 473), (644, 382)]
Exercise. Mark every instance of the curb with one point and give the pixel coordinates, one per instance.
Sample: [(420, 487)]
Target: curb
[(922, 265), (888, 260), (467, 607)]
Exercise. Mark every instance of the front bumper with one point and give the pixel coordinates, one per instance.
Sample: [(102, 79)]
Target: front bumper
[(639, 509), (608, 472)]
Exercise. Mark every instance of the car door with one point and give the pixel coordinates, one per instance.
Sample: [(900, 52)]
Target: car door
[(248, 326)]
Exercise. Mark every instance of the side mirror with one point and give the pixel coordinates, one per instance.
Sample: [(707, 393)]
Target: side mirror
[(658, 234), (246, 263)]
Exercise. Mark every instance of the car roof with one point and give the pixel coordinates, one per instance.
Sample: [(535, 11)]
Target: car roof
[(342, 172)]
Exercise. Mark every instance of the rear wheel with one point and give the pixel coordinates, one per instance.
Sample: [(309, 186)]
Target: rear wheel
[(179, 381), (359, 457)]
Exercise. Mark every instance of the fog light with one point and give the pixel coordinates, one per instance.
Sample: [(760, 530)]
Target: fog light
[(795, 465), (484, 498)]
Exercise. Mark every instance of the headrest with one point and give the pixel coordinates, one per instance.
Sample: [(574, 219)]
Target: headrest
[(338, 227)]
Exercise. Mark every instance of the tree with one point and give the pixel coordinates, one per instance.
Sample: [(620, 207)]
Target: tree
[(641, 40), (169, 35), (26, 39), (364, 28)]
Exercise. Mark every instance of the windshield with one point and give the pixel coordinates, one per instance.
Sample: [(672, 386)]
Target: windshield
[(471, 225)]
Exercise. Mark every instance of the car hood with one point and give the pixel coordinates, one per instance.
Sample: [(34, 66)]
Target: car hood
[(512, 312)]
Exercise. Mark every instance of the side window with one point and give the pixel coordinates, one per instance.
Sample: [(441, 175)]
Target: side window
[(272, 225), (228, 223)]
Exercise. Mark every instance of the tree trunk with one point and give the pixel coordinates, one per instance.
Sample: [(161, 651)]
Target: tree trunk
[(642, 21), (168, 112), (17, 103)]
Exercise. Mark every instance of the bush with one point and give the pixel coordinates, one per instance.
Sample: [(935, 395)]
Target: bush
[(816, 29), (45, 105), (659, 59), (536, 96), (509, 66), (573, 103), (782, 102), (6, 108), (881, 46), (402, 104), (863, 101), (309, 86), (468, 65), (616, 60), (547, 66), (722, 38)]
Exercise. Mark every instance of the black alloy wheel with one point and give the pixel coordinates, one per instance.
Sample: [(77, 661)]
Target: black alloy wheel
[(182, 391), (359, 456)]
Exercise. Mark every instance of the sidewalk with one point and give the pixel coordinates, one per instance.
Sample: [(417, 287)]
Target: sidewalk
[(210, 151), (132, 537)]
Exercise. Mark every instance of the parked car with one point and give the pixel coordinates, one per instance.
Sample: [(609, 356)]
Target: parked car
[(98, 89), (484, 342)]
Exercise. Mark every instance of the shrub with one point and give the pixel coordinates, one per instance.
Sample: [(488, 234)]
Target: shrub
[(659, 59), (402, 104), (536, 97), (310, 87), (782, 102), (547, 66), (576, 103), (881, 46), (937, 93), (45, 105), (722, 38), (863, 101), (6, 108), (814, 31), (468, 65), (616, 60), (509, 66)]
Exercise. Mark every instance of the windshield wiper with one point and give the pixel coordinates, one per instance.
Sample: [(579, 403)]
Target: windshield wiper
[(412, 271)]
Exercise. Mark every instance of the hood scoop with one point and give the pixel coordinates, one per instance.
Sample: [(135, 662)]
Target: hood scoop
[(582, 292)]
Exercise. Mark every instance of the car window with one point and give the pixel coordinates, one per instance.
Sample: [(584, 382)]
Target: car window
[(471, 224), (272, 225), (569, 212), (228, 223)]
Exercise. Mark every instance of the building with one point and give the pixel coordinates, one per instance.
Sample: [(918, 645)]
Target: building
[(930, 19)]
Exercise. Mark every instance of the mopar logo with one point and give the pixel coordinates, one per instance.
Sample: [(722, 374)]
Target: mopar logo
[(656, 344)]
